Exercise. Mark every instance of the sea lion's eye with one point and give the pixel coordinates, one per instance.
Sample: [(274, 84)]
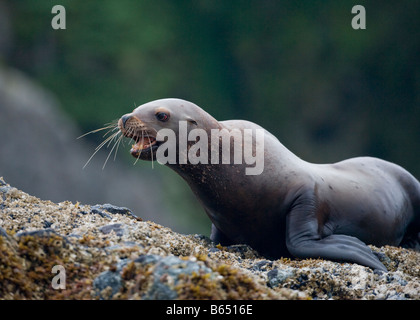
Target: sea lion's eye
[(162, 116)]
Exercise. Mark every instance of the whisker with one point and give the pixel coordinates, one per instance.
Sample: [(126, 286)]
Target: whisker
[(99, 147), (104, 142), (142, 142), (151, 148), (110, 131), (93, 131), (131, 131), (118, 145), (114, 136), (106, 126)]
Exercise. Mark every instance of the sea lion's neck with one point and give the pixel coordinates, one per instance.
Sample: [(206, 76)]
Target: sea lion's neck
[(211, 180)]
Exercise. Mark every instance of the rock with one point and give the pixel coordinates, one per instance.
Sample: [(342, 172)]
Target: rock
[(113, 209), (100, 208), (3, 233), (118, 228), (166, 275), (262, 265), (276, 277), (114, 255), (7, 190), (148, 259), (211, 250), (107, 279), (100, 212), (108, 283), (124, 245), (47, 224), (243, 250), (39, 233)]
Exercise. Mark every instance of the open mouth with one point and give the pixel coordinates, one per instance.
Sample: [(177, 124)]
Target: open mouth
[(143, 143)]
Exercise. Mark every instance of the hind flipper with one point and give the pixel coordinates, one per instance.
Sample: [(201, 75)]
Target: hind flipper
[(303, 241)]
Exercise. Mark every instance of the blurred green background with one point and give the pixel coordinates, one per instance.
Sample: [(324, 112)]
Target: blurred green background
[(327, 91)]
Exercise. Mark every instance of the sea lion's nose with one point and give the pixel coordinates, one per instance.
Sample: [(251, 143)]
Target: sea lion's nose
[(124, 119)]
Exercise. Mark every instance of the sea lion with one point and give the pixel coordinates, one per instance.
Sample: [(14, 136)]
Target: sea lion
[(293, 208)]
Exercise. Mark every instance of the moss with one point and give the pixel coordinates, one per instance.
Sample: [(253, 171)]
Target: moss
[(137, 279), (235, 272), (12, 272), (198, 286)]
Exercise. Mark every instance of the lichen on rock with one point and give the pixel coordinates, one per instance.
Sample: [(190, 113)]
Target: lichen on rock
[(109, 253)]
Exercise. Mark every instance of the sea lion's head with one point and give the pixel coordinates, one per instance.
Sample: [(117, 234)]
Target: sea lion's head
[(143, 124)]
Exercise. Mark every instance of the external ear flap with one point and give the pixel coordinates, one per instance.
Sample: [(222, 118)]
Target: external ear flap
[(190, 120)]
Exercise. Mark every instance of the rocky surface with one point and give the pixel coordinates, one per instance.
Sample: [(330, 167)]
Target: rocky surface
[(108, 253)]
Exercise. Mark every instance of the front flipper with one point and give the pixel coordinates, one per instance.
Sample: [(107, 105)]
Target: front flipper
[(218, 236), (304, 241)]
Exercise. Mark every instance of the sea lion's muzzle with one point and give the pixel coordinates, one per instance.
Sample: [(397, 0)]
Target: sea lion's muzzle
[(144, 138), (123, 120)]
